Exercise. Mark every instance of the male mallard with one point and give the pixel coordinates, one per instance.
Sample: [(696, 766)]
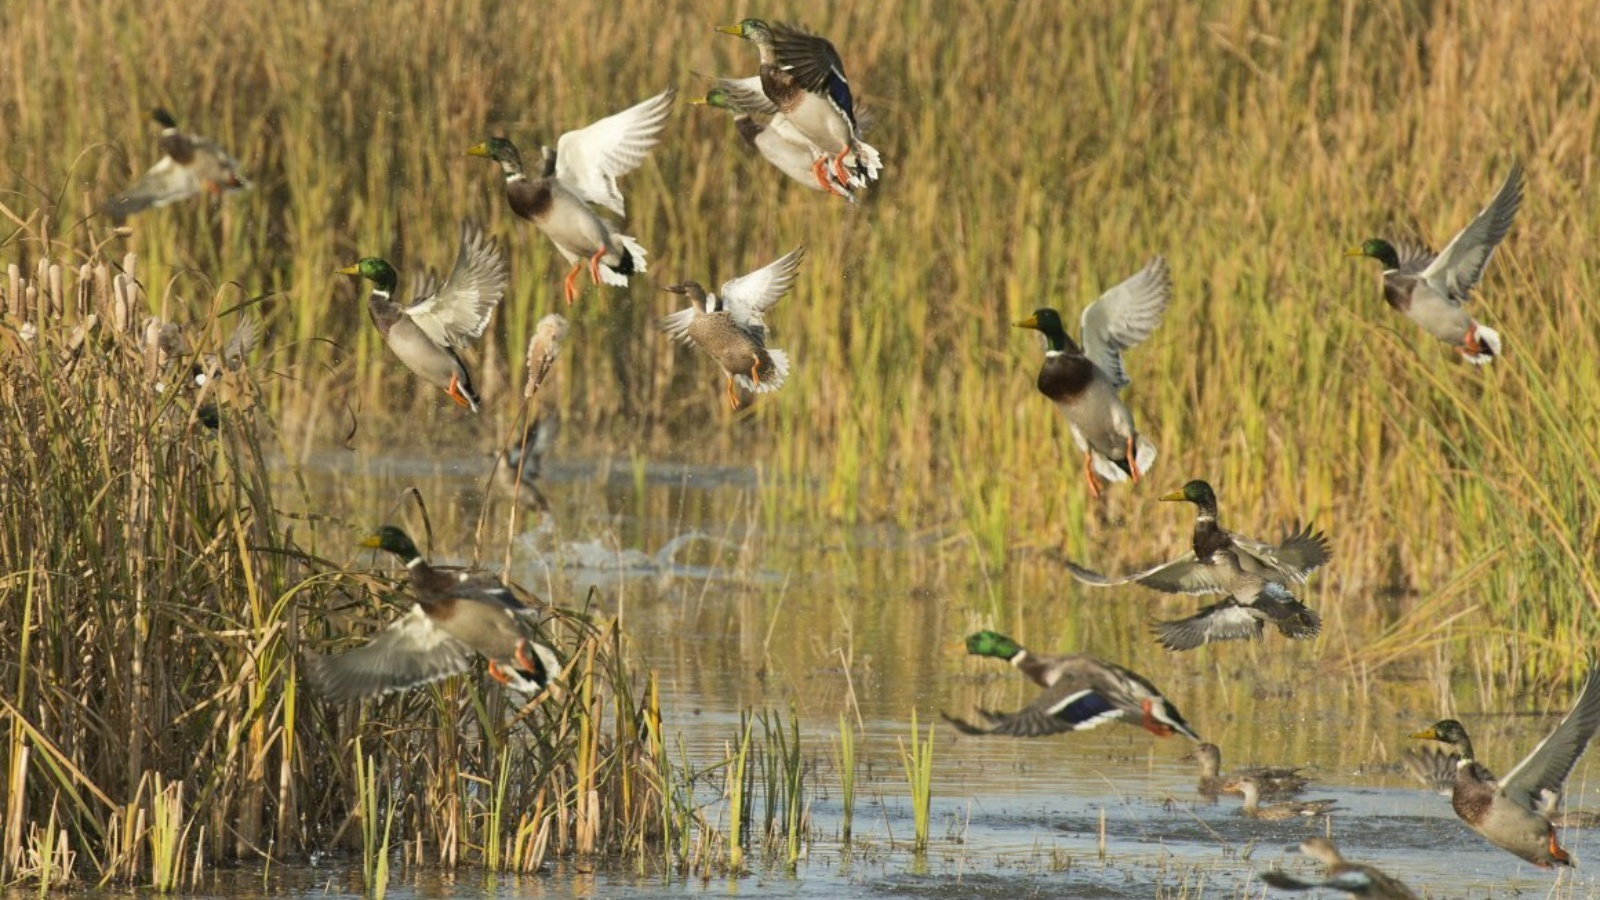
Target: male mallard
[(803, 76), (517, 467), (458, 613), (1080, 692), (583, 170), (1271, 781), (1340, 874), (1084, 382), (1512, 812), (1431, 290), (1277, 812), (1254, 576), (729, 326), (427, 332), (189, 164), (778, 144)]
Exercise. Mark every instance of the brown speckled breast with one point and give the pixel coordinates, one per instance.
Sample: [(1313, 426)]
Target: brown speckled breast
[(529, 199)]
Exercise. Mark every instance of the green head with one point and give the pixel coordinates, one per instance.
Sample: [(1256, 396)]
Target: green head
[(1197, 492), (717, 97), (393, 540), (501, 151), (1048, 322), (754, 30), (1445, 731), (375, 270), (1379, 249), (992, 643), (163, 118)]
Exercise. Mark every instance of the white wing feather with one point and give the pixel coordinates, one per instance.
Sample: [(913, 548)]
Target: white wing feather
[(590, 160), (749, 296)]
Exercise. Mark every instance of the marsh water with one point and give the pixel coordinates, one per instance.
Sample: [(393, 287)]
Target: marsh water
[(824, 621)]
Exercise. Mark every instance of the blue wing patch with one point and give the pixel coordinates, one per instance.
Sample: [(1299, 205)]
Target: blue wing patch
[(1085, 709)]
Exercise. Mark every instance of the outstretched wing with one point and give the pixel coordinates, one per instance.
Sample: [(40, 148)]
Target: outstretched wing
[(745, 95), (410, 652), (748, 297), (815, 65), (460, 309), (590, 160), (1293, 559), (1540, 775), (1460, 265), (1184, 575), (1225, 621), (1124, 316)]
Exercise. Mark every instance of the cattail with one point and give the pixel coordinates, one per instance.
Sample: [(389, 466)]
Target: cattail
[(543, 348)]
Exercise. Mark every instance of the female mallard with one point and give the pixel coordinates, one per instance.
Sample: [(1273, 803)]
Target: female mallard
[(1271, 781), (777, 143), (583, 170), (458, 613), (1339, 874), (1277, 812), (729, 326), (1084, 382), (803, 76), (1254, 576), (1080, 692), (1431, 290), (189, 164), (439, 320), (1512, 812)]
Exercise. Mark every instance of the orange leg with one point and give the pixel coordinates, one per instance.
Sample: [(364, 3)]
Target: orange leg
[(1560, 855), (497, 673), (1133, 461), (733, 397), (569, 287), (594, 265), (1471, 346), (819, 168), (457, 394), (755, 370), (839, 169), (1088, 472)]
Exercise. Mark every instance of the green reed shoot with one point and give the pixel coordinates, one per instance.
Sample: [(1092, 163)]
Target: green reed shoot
[(374, 839), (847, 776), (918, 762)]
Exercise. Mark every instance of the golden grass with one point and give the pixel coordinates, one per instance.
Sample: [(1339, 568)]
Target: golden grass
[(1035, 153)]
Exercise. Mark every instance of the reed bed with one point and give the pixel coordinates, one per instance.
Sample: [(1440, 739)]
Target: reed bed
[(155, 585)]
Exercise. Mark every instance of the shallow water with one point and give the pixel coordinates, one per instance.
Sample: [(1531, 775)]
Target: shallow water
[(735, 615)]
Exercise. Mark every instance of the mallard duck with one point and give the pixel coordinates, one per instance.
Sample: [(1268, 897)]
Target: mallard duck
[(1436, 768), (1512, 812), (459, 613), (1431, 290), (1254, 576), (518, 465), (246, 335), (427, 332), (1339, 874), (583, 170), (1084, 382), (1080, 692), (1276, 812), (803, 76), (778, 144), (730, 327), (189, 164), (1272, 781)]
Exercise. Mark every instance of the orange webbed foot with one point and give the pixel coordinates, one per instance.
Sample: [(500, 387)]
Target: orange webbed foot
[(594, 265), (569, 287), (1088, 473), (1133, 461)]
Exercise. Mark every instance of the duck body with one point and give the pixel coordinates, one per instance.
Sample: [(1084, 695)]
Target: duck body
[(580, 173), (1432, 290), (1271, 781), (1277, 812), (730, 326), (459, 613), (426, 333), (1085, 381), (1512, 812), (189, 165), (777, 141), (1080, 692), (1254, 575), (1341, 875)]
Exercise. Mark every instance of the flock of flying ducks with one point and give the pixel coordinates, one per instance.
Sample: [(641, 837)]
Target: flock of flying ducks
[(799, 114)]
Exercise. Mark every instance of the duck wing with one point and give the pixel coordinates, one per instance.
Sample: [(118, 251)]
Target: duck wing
[(459, 310), (1184, 575), (1124, 317), (590, 160), (1292, 559), (1460, 265), (1541, 774), (815, 65), (411, 651), (748, 297)]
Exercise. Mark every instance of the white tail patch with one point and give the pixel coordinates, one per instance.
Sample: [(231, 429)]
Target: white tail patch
[(1489, 342), (617, 279), (864, 156), (771, 378)]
